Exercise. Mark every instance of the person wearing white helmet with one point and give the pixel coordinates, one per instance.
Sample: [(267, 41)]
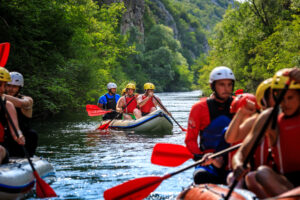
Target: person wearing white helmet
[(109, 101), (207, 120), (4, 125), (24, 108)]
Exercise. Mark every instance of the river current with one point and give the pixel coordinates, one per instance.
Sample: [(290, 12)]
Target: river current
[(87, 163)]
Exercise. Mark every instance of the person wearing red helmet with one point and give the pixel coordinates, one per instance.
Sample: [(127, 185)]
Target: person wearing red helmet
[(207, 120)]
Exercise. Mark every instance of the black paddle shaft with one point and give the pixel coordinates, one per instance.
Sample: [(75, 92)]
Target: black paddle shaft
[(260, 135), (16, 132)]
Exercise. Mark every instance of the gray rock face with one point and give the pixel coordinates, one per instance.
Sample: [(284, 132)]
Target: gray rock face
[(133, 17)]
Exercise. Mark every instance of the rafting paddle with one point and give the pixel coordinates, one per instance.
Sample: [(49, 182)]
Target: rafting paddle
[(94, 110), (4, 52), (173, 155), (43, 190), (261, 134), (183, 129), (106, 125), (140, 188)]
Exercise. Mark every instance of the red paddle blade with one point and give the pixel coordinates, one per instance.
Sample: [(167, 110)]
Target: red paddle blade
[(4, 52), (183, 129), (136, 189), (170, 155), (94, 110), (43, 190), (104, 126)]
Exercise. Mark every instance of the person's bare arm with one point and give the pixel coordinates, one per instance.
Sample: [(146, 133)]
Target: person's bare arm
[(120, 104)]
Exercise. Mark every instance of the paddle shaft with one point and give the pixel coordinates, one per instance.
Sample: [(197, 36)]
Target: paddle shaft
[(168, 112), (260, 136), (160, 179)]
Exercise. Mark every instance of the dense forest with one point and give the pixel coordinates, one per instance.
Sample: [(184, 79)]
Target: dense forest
[(68, 50)]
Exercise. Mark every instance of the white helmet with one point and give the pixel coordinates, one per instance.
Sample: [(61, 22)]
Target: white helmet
[(111, 85), (221, 72), (16, 79)]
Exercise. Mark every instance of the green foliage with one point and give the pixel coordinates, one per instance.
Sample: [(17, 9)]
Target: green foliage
[(254, 49)]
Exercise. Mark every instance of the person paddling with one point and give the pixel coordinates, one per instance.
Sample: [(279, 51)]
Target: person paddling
[(128, 104), (109, 101), (207, 119), (147, 102), (6, 130), (284, 140), (23, 105)]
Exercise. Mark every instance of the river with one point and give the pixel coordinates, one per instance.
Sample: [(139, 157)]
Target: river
[(87, 163)]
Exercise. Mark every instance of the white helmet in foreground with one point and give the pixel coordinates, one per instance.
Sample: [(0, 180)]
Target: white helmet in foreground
[(16, 79), (111, 85), (220, 73)]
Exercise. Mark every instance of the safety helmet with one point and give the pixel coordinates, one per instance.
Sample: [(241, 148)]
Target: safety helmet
[(111, 85), (149, 86), (279, 81), (261, 89), (4, 75), (130, 86), (123, 91), (220, 73), (16, 79)]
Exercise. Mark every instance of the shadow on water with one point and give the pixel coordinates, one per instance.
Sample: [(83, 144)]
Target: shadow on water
[(88, 162)]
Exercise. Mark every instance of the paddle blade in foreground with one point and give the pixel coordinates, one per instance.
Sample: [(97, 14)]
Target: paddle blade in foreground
[(4, 52), (136, 189), (94, 110), (43, 190), (170, 155)]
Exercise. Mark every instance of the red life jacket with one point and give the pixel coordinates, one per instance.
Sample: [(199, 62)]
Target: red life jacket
[(131, 106), (1, 133), (287, 146), (148, 105)]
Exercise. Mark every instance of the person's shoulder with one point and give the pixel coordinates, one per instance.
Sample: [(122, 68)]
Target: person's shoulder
[(201, 103), (118, 96)]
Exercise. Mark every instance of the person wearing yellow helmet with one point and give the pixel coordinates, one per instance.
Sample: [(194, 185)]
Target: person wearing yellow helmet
[(4, 78), (127, 104), (283, 141), (123, 92), (146, 102), (109, 101), (24, 108)]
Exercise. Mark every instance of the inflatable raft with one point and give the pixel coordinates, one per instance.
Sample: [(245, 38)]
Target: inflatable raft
[(155, 121), (214, 192), (17, 179)]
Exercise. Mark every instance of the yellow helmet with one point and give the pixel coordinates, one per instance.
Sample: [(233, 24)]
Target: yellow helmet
[(279, 81), (261, 89), (4, 75), (130, 86), (123, 91), (149, 86)]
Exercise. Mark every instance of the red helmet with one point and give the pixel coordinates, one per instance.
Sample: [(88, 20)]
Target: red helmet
[(241, 101)]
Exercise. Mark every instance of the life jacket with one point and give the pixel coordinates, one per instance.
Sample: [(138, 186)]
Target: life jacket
[(148, 105), (111, 102), (3, 123), (287, 146), (24, 121), (132, 105), (212, 137)]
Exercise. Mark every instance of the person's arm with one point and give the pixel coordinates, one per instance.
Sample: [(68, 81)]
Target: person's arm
[(235, 132), (25, 103), (191, 139), (120, 104), (243, 151), (13, 114), (141, 102)]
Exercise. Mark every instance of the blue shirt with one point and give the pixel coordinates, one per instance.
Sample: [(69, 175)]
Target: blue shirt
[(103, 101)]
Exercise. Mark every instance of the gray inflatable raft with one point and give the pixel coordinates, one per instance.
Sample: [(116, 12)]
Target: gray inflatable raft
[(17, 179)]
